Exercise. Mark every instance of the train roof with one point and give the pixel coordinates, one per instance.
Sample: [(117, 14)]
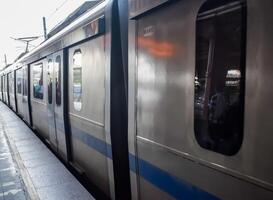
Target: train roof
[(96, 10), (73, 16)]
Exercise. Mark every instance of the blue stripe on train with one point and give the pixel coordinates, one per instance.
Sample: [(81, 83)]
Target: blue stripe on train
[(165, 181), (93, 142)]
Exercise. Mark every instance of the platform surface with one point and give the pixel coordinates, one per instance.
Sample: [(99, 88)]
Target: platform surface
[(28, 169)]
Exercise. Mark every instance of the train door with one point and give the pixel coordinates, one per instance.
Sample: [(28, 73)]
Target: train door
[(25, 104), (11, 90), (58, 106), (19, 81), (87, 111), (54, 103), (4, 89), (38, 98), (7, 86), (50, 103)]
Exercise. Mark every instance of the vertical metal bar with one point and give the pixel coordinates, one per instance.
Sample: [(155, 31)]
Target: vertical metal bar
[(208, 76), (44, 27)]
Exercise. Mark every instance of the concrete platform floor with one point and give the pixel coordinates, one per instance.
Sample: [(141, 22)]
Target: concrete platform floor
[(28, 169)]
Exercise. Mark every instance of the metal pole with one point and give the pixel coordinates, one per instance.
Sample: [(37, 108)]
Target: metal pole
[(27, 47), (6, 62), (44, 26)]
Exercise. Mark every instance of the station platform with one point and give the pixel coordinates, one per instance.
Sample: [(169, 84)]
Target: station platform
[(28, 169)]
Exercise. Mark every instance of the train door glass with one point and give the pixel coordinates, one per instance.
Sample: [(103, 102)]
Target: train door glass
[(219, 76), (11, 85), (4, 88), (8, 88), (58, 72), (77, 80), (19, 81), (49, 80), (38, 85), (25, 93), (24, 81), (51, 102)]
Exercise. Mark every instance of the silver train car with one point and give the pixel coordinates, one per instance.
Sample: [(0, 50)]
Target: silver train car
[(200, 120), (63, 90), (156, 99)]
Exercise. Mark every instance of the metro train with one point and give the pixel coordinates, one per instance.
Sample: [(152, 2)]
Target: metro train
[(156, 99)]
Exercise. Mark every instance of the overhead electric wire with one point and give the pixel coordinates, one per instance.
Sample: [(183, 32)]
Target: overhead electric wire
[(57, 9)]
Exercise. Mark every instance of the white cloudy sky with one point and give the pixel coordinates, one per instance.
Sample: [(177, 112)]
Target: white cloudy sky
[(23, 18)]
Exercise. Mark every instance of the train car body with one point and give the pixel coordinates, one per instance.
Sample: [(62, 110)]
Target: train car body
[(185, 58), (156, 99), (63, 90)]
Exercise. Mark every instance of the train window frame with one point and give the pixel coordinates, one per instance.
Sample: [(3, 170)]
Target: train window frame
[(38, 71), (77, 67), (219, 117), (49, 80), (58, 80)]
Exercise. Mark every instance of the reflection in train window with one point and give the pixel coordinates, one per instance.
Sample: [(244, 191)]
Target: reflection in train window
[(49, 80), (219, 76), (58, 80), (19, 81), (11, 83), (38, 88), (77, 80)]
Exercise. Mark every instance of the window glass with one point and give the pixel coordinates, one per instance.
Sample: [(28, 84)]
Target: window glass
[(77, 80), (38, 90), (1, 84), (19, 81), (11, 83), (49, 80), (219, 76), (4, 83), (58, 80), (24, 81)]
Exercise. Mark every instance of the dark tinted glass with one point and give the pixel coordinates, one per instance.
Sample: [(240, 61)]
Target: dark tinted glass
[(220, 76), (24, 81), (38, 87), (58, 80), (49, 80), (19, 77), (11, 83)]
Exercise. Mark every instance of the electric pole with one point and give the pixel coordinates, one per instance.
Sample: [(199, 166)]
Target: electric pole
[(44, 26), (26, 40), (5, 59)]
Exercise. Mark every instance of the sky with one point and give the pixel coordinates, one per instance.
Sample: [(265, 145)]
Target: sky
[(23, 18)]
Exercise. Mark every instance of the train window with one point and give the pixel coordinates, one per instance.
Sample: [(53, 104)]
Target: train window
[(220, 75), (11, 83), (77, 80), (38, 90), (24, 81), (4, 84), (58, 65), (1, 84), (49, 80), (19, 81)]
